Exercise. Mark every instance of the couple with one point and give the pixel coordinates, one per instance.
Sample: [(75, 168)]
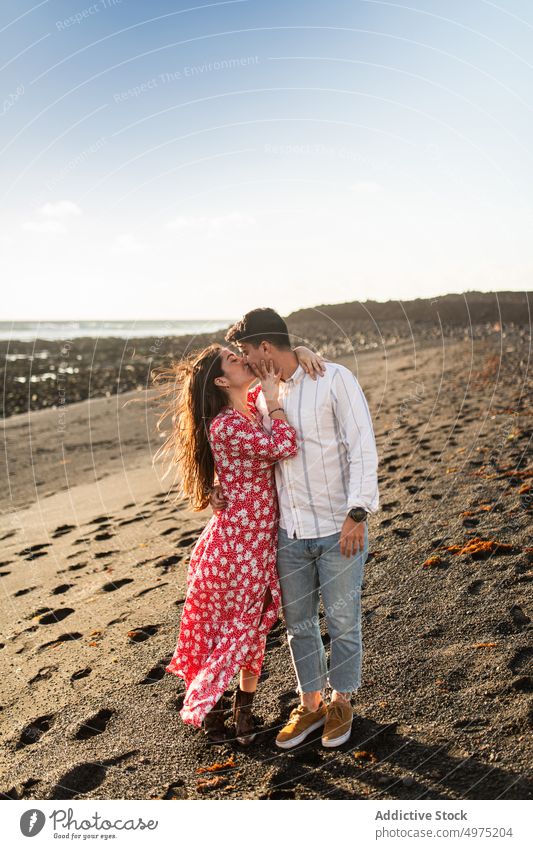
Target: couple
[(290, 470)]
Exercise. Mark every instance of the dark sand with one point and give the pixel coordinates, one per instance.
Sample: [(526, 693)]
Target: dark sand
[(93, 569)]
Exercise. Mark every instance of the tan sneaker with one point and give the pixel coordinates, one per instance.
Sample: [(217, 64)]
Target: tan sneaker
[(302, 722), (338, 724)]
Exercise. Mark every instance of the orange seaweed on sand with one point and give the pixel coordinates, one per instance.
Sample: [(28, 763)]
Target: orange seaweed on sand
[(216, 767), (480, 546), (434, 560), (211, 783)]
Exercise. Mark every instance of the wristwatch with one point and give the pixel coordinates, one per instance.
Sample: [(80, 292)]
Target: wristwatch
[(358, 514)]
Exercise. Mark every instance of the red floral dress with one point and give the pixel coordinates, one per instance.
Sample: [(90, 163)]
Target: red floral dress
[(233, 564)]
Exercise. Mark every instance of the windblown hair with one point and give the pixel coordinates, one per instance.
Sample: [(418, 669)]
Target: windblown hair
[(191, 400)]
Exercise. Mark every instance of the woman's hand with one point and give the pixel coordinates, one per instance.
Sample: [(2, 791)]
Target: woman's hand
[(313, 364), (217, 500), (269, 381)]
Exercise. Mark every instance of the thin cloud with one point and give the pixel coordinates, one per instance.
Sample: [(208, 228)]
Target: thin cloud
[(126, 243), (51, 218), (231, 221), (366, 187), (52, 227), (61, 209)]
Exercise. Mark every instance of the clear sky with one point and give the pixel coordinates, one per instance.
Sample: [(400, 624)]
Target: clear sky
[(192, 160)]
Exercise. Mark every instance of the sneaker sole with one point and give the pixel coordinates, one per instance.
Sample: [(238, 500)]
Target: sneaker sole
[(295, 741), (338, 741)]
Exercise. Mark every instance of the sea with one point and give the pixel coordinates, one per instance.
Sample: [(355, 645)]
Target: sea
[(28, 331)]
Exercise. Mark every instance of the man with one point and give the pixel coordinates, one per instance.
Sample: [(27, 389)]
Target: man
[(325, 494)]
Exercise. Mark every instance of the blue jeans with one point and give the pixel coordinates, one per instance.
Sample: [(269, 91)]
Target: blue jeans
[(307, 567)]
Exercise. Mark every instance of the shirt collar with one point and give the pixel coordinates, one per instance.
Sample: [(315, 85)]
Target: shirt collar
[(297, 375)]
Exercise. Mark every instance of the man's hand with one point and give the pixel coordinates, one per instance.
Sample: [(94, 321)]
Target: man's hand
[(217, 500), (352, 537)]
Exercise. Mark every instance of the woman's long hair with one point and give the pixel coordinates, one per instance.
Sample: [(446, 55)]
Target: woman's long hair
[(192, 400)]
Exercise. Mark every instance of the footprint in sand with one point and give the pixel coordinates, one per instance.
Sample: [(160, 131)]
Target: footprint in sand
[(43, 674), (62, 530), (38, 612), (176, 790), (19, 791), (95, 725), (79, 780), (64, 638), (33, 732), (523, 684), (150, 589), (32, 552), (167, 562), (81, 673), (389, 505), (403, 533), (156, 673), (521, 661), (24, 591), (56, 616), (520, 619), (169, 531), (103, 535), (116, 585), (187, 540), (139, 635), (140, 517), (75, 567), (61, 588)]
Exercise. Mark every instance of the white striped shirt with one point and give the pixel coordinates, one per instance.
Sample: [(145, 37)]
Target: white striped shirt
[(336, 465)]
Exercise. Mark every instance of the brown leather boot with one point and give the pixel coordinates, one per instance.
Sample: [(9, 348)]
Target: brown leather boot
[(245, 728), (214, 727)]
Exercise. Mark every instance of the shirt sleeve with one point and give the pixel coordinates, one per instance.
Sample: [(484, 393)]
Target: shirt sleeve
[(244, 439), (357, 434)]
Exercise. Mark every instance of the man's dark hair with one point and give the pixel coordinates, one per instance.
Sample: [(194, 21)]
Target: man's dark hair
[(260, 325)]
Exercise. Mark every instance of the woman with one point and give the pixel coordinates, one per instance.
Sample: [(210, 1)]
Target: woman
[(233, 594)]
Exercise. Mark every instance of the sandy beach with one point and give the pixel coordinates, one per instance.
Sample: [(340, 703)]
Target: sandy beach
[(93, 569)]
